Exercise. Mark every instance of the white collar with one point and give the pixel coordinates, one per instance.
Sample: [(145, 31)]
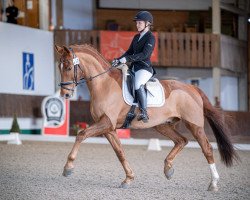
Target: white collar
[(142, 34)]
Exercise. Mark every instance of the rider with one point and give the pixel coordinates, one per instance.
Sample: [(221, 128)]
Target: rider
[(139, 54)]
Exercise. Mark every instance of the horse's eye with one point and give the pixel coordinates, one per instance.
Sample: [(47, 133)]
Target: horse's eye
[(67, 65)]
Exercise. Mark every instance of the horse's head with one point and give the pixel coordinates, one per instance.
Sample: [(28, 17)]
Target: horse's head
[(70, 70)]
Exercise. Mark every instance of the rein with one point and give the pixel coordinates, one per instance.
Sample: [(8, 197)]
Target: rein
[(76, 64)]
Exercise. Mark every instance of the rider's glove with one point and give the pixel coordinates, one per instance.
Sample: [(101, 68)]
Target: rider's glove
[(123, 60)]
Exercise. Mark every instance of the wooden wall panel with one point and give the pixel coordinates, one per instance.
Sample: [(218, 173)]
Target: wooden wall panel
[(32, 14), (30, 8), (200, 52), (175, 49), (163, 20), (162, 47), (187, 56), (194, 56), (207, 50), (181, 49), (21, 105), (169, 55), (21, 7), (178, 49), (79, 112)]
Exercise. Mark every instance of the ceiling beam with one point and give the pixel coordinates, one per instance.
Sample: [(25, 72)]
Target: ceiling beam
[(233, 9)]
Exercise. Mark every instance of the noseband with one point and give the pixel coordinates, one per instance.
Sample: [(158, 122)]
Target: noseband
[(76, 64)]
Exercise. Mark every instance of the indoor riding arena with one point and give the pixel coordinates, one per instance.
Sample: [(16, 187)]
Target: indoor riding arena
[(71, 128)]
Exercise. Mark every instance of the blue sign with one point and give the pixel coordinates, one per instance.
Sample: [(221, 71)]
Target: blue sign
[(28, 71)]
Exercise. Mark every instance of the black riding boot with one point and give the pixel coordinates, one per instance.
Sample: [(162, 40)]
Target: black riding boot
[(142, 102)]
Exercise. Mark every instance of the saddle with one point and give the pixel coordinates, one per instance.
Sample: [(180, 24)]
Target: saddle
[(154, 90)]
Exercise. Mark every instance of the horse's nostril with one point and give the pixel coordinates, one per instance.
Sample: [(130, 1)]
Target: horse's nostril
[(67, 95)]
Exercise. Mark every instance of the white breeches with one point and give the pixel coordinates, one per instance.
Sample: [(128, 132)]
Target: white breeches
[(141, 78)]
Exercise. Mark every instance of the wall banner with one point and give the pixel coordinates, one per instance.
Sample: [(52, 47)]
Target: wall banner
[(115, 43), (55, 112), (28, 71)]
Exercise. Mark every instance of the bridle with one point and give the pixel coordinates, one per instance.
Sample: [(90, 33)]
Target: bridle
[(77, 66)]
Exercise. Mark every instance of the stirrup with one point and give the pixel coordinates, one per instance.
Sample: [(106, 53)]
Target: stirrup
[(143, 117)]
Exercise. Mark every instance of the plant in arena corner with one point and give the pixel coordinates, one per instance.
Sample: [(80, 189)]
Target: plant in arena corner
[(15, 126)]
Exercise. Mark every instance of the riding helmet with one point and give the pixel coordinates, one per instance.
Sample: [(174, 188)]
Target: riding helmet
[(144, 16)]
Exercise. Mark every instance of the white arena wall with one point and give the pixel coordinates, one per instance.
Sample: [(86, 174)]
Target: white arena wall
[(27, 68), (16, 40), (229, 91)]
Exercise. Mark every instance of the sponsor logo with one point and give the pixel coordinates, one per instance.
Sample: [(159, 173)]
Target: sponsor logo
[(53, 110)]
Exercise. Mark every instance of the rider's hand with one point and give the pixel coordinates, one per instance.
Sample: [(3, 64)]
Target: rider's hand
[(123, 60), (115, 62)]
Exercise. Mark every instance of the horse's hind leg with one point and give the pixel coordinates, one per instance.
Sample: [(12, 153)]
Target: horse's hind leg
[(179, 141), (98, 128), (116, 144), (200, 136)]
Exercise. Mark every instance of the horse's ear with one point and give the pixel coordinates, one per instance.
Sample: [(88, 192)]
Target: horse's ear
[(66, 49), (59, 49)]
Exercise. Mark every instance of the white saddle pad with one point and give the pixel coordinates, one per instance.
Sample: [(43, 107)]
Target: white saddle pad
[(155, 93)]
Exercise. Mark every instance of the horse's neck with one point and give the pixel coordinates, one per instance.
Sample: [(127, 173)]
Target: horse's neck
[(95, 67), (98, 78)]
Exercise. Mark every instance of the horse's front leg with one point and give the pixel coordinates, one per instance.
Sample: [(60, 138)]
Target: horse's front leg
[(102, 126), (116, 144)]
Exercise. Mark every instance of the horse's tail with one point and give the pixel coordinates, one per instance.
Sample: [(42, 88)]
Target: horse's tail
[(219, 124)]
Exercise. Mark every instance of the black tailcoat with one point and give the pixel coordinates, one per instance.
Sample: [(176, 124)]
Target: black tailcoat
[(139, 52)]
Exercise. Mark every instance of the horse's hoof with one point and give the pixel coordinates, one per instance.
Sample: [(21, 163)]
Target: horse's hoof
[(213, 188), (67, 172), (124, 185), (169, 172)]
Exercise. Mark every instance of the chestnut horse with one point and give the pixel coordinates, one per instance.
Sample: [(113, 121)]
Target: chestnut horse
[(182, 102)]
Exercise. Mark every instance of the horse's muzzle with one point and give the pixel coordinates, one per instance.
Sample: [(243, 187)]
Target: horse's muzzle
[(67, 96)]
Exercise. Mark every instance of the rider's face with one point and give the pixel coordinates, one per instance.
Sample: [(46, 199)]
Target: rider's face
[(140, 25)]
